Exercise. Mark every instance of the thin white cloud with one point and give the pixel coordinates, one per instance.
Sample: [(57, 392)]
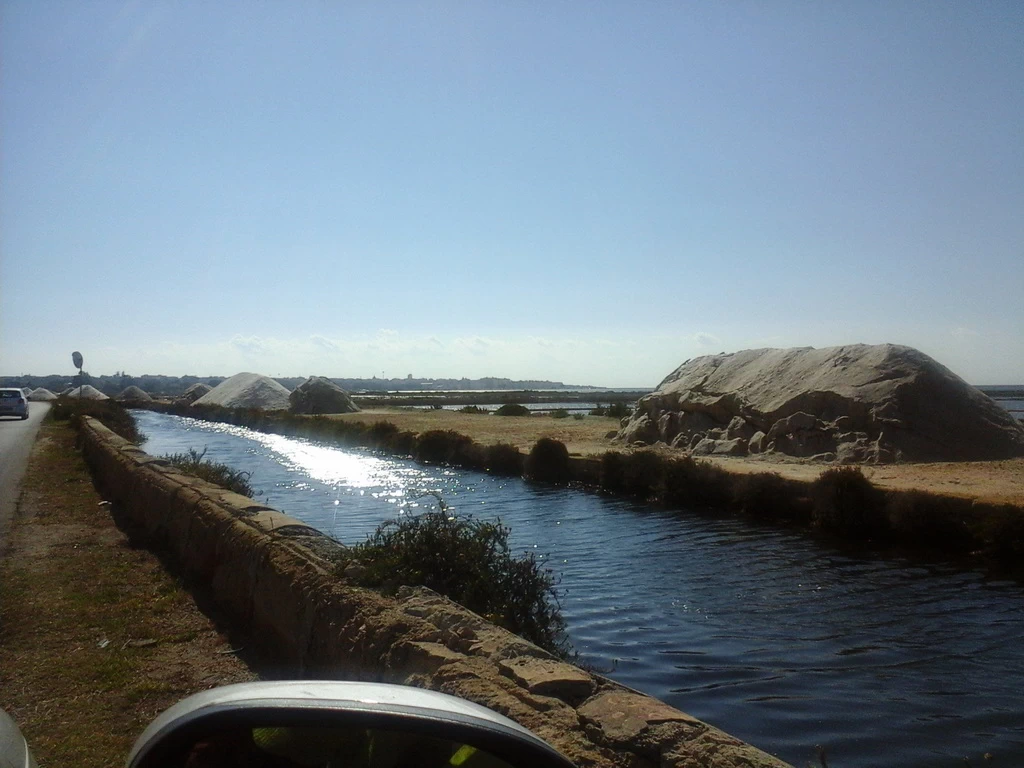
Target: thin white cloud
[(962, 334), (249, 345), (702, 339)]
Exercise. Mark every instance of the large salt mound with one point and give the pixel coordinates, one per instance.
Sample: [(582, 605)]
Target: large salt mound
[(854, 403), (134, 394), (321, 395), (85, 392), (247, 390), (41, 395)]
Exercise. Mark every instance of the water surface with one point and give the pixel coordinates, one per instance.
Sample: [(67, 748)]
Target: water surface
[(770, 634)]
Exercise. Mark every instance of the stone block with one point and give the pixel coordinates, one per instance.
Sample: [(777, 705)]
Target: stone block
[(548, 677)]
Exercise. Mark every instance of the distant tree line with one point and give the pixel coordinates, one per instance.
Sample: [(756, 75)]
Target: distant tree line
[(172, 386)]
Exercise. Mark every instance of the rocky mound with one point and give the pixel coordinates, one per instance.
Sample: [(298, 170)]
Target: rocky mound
[(86, 392), (193, 393), (134, 394), (41, 395), (320, 395), (247, 390), (856, 403)]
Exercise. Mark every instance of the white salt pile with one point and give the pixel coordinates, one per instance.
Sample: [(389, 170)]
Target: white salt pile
[(247, 390), (134, 394), (86, 392)]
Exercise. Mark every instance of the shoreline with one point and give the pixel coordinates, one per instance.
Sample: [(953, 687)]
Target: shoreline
[(909, 507), (991, 482)]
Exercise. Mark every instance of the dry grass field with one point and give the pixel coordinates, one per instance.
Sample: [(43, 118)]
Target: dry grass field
[(582, 437)]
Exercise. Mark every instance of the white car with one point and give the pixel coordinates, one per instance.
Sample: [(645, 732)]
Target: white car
[(13, 403)]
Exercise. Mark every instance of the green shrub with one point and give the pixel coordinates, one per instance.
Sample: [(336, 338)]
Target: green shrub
[(108, 412), (613, 471), (923, 518), (504, 459), (512, 409), (469, 561), (638, 474), (768, 495), (194, 463), (473, 409), (560, 413), (548, 462), (381, 433), (615, 410), (1001, 531), (441, 446), (689, 483), (403, 443), (578, 416), (845, 502)]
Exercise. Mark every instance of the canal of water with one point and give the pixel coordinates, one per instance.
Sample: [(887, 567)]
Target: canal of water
[(772, 635)]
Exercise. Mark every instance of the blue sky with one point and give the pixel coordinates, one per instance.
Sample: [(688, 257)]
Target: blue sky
[(584, 192)]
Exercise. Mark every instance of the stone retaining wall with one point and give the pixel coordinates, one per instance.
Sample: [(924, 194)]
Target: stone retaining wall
[(271, 576)]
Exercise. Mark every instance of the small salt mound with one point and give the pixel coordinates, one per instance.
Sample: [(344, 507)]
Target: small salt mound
[(194, 392), (41, 395), (86, 392), (247, 390), (134, 394)]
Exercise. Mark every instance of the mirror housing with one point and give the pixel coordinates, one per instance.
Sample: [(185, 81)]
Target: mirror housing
[(338, 715), (14, 751)]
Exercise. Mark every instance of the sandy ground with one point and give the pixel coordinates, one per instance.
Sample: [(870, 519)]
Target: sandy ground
[(994, 481)]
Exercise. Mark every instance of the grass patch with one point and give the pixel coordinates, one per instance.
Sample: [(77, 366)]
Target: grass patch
[(76, 599), (194, 463), (469, 561)]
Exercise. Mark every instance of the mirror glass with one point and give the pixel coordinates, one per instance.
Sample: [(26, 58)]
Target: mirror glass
[(330, 747)]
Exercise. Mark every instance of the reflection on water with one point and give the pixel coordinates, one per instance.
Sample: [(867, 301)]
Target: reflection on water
[(767, 633)]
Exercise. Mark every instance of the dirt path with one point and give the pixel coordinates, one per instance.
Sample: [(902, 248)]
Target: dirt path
[(96, 638)]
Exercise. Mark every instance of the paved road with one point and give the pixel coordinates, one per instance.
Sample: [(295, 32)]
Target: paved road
[(16, 438)]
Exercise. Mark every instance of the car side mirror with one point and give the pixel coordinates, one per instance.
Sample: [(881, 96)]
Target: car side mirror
[(13, 748), (328, 724)]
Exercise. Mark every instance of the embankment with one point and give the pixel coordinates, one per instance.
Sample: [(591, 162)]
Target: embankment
[(272, 577), (838, 501)]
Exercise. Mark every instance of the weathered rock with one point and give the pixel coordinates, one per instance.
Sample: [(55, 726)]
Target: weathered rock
[(623, 716), (792, 424), (709, 446), (738, 427), (757, 443), (640, 429), (862, 403), (320, 395), (549, 677), (247, 390)]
